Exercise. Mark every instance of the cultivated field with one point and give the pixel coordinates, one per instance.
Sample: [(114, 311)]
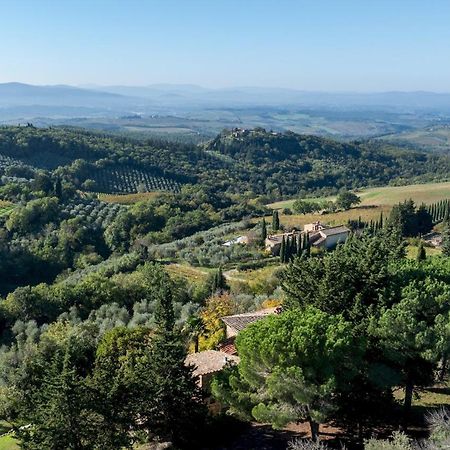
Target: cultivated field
[(373, 202), (128, 199)]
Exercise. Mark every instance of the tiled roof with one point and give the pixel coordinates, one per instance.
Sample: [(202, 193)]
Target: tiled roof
[(210, 361), (227, 346), (240, 321), (334, 230)]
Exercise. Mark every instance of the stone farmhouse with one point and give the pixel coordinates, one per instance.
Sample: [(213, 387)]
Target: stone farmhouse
[(319, 234)]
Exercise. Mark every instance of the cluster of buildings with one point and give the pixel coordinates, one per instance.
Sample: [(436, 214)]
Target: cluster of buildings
[(209, 362), (318, 234)]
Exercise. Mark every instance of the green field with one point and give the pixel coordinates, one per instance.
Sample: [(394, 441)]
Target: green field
[(128, 199), (390, 195), (8, 443), (373, 202)]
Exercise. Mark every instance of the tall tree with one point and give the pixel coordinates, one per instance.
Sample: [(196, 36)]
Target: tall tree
[(421, 253), (347, 199), (275, 221), (292, 365), (263, 230), (446, 239)]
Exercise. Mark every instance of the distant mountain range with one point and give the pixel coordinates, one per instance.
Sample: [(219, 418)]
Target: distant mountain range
[(172, 98)]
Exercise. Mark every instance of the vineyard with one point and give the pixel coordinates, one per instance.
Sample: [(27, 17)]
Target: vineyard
[(129, 179)]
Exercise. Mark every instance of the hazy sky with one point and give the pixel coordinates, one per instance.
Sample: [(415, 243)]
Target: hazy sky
[(364, 45)]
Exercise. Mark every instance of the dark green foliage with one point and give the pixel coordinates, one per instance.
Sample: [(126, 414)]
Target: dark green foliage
[(263, 230), (409, 221), (307, 355), (446, 239), (306, 206), (132, 383), (424, 220), (421, 253), (232, 162), (283, 250), (275, 221), (217, 281), (346, 199), (346, 281)]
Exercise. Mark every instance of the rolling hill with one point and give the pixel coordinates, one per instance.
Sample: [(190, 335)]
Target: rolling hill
[(236, 161)]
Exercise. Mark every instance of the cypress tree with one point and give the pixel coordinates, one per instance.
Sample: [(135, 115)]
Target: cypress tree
[(283, 250), (288, 254), (300, 244), (176, 412), (294, 246), (263, 230), (57, 188), (275, 221), (421, 253), (446, 239), (307, 248)]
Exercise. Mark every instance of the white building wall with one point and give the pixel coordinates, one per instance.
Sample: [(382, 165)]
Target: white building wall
[(334, 239)]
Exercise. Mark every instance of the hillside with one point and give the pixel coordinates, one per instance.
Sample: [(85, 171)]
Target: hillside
[(237, 161), (289, 163), (432, 138)]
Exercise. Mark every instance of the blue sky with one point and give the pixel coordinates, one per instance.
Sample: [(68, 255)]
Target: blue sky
[(332, 45)]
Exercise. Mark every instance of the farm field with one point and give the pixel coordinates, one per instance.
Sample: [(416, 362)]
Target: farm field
[(373, 202), (190, 273), (128, 199), (390, 195)]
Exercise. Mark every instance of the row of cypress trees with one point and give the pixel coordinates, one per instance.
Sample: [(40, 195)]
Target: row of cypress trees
[(439, 211), (295, 245)]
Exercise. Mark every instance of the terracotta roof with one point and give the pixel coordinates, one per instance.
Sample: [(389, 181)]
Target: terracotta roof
[(240, 321), (210, 361), (227, 346)]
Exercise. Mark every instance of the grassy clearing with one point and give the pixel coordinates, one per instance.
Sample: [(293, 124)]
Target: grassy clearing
[(256, 280), (190, 273), (128, 199), (411, 251), (390, 195), (427, 399), (7, 442)]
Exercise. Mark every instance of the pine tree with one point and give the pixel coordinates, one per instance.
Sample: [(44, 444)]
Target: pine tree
[(275, 221), (61, 417)]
